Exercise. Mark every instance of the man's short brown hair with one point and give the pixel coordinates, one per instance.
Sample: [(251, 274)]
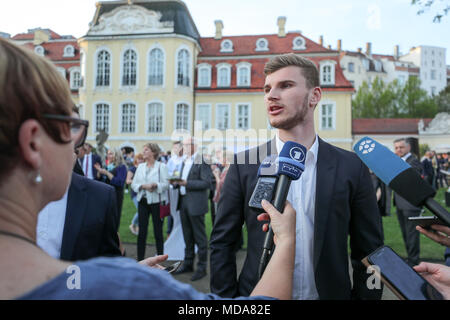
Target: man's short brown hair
[(309, 69)]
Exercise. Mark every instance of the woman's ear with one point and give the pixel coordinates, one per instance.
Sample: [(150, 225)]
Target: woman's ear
[(31, 143)]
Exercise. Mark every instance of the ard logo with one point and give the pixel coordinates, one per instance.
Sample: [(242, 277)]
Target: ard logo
[(367, 146), (297, 154)]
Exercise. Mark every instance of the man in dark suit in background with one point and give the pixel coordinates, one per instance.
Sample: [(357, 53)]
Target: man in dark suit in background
[(195, 186), (89, 160), (334, 199), (402, 148)]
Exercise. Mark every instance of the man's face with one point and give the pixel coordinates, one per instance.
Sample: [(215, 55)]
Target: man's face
[(287, 98), (189, 147), (400, 148)]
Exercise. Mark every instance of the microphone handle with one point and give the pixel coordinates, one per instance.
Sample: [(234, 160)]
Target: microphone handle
[(438, 210), (281, 192)]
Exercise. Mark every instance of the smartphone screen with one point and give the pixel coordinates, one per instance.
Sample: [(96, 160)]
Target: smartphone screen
[(401, 276)]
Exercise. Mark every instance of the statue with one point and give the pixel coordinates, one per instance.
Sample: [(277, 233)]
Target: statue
[(101, 139)]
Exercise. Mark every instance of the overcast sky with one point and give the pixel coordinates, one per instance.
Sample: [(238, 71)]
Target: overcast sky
[(384, 23)]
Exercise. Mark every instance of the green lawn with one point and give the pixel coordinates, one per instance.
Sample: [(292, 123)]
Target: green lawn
[(429, 250)]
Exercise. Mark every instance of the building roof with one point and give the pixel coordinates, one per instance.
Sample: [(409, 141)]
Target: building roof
[(387, 126), (171, 10), (30, 35), (54, 51)]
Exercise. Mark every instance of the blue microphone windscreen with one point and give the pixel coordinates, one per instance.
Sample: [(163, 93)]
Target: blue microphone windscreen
[(383, 162), (292, 160), (269, 166)]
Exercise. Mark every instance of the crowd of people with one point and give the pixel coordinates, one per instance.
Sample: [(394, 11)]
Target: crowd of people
[(81, 197)]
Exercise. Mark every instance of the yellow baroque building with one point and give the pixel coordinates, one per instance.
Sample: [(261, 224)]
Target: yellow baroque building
[(148, 75)]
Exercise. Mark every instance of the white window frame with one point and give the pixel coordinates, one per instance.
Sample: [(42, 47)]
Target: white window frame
[(200, 67), (223, 45), (94, 116), (209, 115), (219, 67), (39, 50), (122, 70), (352, 68), (72, 72), (121, 123), (247, 67), (333, 115), (163, 66), (69, 51), (332, 65), (97, 52), (302, 46), (249, 115), (188, 115), (62, 72), (83, 68), (228, 122), (189, 71), (264, 47), (147, 116)]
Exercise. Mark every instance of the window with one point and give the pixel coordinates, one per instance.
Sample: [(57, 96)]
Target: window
[(129, 68), (103, 69), (75, 79), (204, 75), (223, 75), (262, 45), (182, 116), (204, 115), (128, 124), (432, 63), (69, 51), (298, 43), (243, 74), (62, 71), (39, 50), (328, 116), (226, 46), (101, 117), (433, 75), (243, 116), (223, 116), (351, 67), (183, 68), (327, 73), (155, 117), (156, 67)]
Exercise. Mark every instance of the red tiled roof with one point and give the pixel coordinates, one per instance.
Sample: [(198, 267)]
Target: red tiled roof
[(55, 50), (387, 126), (416, 70), (245, 45), (30, 35), (383, 56)]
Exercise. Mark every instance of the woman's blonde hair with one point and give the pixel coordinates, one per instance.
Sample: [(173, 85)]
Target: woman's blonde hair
[(118, 156), (154, 148)]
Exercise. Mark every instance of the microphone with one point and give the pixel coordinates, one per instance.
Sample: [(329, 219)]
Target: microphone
[(290, 165), (399, 176), (267, 180)]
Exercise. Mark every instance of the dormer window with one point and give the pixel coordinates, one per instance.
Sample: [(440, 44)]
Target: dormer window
[(204, 75), (69, 51), (298, 44), (327, 73), (262, 45), (223, 75), (226, 46), (39, 50), (243, 75)]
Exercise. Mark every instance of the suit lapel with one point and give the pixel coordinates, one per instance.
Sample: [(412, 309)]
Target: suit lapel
[(325, 180), (76, 208)]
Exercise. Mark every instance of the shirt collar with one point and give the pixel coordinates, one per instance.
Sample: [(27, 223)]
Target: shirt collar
[(312, 152), (406, 156)]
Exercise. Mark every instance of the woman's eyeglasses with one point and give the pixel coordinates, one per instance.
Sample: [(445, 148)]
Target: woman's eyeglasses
[(78, 127)]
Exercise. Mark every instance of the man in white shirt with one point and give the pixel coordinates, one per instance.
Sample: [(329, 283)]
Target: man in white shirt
[(333, 199)]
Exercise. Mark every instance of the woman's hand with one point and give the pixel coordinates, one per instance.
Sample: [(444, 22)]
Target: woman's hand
[(283, 225), (437, 275), (440, 234)]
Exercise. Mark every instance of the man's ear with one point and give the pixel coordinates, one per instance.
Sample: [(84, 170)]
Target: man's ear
[(31, 143), (316, 95)]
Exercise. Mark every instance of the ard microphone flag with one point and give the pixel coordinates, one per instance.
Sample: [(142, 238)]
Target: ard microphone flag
[(399, 176)]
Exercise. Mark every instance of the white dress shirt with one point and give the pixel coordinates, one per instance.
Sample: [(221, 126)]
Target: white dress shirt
[(88, 171), (50, 226), (302, 195), (188, 162)]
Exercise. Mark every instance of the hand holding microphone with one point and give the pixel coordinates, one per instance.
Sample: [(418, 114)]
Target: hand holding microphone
[(283, 225)]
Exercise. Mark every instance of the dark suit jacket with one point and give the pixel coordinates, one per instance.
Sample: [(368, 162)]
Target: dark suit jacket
[(345, 205), (90, 226), (399, 201), (197, 188), (95, 159)]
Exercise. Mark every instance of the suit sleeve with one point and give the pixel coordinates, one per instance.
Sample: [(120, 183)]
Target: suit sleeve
[(110, 239), (365, 234), (226, 235), (204, 181)]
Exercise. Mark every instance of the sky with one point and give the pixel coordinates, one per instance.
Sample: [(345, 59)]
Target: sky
[(384, 23)]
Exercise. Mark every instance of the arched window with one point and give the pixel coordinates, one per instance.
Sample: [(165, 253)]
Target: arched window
[(156, 67), (183, 68), (101, 117), (223, 75), (69, 51), (129, 68), (103, 69), (182, 116), (128, 121), (155, 117), (243, 74), (327, 72), (204, 75)]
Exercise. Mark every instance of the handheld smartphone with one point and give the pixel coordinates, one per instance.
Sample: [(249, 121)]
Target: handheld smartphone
[(173, 267), (398, 276), (426, 221)]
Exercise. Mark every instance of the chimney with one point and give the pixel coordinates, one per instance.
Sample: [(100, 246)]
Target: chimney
[(329, 47), (369, 48), (281, 21), (219, 27), (396, 52), (359, 50), (339, 45), (40, 37), (321, 41)]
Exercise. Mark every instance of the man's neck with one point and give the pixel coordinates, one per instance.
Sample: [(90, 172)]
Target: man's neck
[(302, 135)]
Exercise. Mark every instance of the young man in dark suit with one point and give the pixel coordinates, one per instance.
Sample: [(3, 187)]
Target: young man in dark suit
[(334, 199)]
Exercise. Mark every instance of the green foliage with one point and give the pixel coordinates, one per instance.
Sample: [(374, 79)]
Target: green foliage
[(393, 100), (443, 100), (425, 5), (423, 148)]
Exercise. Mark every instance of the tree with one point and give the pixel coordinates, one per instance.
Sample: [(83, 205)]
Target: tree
[(443, 100), (415, 102), (425, 5)]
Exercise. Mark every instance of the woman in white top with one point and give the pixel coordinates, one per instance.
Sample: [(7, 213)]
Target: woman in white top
[(151, 184)]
